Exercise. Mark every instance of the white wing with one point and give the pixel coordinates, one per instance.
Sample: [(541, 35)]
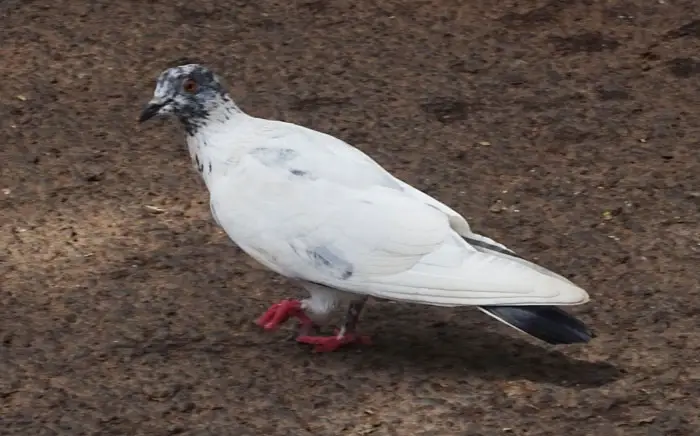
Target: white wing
[(331, 215)]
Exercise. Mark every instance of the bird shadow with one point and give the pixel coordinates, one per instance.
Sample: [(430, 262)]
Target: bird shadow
[(455, 351), (407, 339)]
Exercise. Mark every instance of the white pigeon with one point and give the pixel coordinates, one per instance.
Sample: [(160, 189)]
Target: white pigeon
[(315, 209)]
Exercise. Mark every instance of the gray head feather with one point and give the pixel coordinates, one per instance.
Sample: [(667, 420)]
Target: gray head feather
[(191, 92)]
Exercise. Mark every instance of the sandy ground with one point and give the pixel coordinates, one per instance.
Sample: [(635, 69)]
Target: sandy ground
[(567, 130)]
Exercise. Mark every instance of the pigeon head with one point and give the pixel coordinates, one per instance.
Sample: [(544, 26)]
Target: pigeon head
[(191, 92)]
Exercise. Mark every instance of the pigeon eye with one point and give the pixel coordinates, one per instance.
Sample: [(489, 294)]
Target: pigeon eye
[(189, 86)]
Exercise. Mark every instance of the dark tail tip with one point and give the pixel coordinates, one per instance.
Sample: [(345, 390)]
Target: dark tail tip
[(547, 323)]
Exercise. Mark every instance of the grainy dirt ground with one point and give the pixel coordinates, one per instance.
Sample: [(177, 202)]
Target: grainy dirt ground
[(567, 130)]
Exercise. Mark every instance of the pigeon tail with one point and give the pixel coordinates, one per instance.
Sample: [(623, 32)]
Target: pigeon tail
[(547, 323)]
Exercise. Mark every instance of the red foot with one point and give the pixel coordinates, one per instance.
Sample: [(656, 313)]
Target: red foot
[(325, 344), (281, 312)]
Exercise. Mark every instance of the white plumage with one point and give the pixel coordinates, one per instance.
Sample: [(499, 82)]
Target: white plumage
[(394, 241), (313, 208)]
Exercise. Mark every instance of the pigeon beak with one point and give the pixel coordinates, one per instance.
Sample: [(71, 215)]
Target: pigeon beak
[(152, 108)]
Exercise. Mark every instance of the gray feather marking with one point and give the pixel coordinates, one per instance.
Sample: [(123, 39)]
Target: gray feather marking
[(274, 156), (325, 259), (485, 245)]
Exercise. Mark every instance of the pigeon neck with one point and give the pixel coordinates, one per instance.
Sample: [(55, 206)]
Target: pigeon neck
[(217, 113), (208, 139)]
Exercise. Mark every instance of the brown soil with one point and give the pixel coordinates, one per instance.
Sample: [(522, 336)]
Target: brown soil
[(567, 130)]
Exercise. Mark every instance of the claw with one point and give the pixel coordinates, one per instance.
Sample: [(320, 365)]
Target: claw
[(325, 344), (281, 312)]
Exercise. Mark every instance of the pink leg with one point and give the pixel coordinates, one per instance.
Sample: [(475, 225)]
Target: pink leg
[(325, 344), (281, 312), (346, 335)]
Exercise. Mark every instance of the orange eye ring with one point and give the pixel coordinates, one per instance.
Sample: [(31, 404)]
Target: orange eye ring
[(189, 86)]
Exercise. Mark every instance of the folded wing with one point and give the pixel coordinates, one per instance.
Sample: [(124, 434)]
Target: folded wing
[(387, 244), (348, 224)]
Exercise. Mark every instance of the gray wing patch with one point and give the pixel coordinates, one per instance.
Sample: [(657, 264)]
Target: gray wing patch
[(484, 245), (331, 263), (281, 158), (274, 156), (302, 174)]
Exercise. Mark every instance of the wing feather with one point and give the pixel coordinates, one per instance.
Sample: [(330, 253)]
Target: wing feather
[(358, 229)]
